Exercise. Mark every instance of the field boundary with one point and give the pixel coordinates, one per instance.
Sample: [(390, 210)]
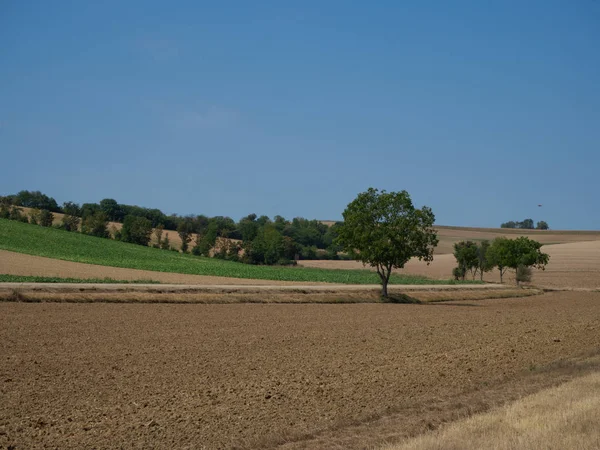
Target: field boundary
[(229, 294), (405, 423)]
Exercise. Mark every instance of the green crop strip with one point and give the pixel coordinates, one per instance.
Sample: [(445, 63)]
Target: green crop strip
[(5, 278), (69, 246)]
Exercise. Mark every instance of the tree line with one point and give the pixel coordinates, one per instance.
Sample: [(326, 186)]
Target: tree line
[(520, 254), (253, 239), (526, 224)]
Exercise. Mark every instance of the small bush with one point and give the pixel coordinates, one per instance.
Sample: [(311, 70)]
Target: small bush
[(524, 274), (45, 218)]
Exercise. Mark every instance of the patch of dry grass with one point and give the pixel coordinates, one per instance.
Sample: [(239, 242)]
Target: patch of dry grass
[(563, 417), (228, 296)]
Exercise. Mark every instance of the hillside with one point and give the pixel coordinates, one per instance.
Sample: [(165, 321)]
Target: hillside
[(448, 235), (58, 244)]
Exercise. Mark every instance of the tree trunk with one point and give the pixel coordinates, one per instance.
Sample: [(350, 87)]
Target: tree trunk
[(384, 289)]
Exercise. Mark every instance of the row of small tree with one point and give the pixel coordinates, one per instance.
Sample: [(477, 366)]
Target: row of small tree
[(520, 254), (526, 224)]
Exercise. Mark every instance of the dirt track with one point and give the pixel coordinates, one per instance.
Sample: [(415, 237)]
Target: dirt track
[(171, 376)]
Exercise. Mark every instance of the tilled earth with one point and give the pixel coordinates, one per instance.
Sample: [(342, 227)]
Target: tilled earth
[(256, 375)]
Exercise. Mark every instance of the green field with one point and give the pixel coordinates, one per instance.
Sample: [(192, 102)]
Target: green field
[(68, 246), (5, 278)]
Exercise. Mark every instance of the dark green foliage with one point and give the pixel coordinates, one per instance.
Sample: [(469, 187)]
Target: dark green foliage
[(113, 211), (17, 215), (526, 224), (136, 230), (95, 224), (512, 253), (542, 225), (385, 231), (523, 273), (35, 199), (458, 273), (5, 206), (466, 254), (165, 244), (45, 218), (70, 223), (185, 229), (158, 232), (484, 264)]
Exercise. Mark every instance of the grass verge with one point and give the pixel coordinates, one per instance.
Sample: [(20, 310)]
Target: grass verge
[(68, 246), (5, 278)]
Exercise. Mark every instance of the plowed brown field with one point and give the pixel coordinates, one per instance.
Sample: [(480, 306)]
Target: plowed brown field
[(216, 376)]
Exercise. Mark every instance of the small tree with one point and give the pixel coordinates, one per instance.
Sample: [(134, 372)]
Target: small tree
[(527, 253), (136, 230), (185, 230), (466, 254), (542, 225), (384, 229), (483, 260), (166, 244), (498, 255), (45, 218), (95, 224), (158, 232), (513, 253)]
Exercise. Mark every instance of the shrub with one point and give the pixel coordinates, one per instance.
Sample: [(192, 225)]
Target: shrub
[(95, 224), (523, 273), (70, 223), (45, 218), (136, 230)]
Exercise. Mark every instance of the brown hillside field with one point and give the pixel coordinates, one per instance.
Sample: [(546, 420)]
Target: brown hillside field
[(256, 376)]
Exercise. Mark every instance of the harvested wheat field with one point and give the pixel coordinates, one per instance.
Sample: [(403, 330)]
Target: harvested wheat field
[(572, 265), (563, 417), (257, 376)]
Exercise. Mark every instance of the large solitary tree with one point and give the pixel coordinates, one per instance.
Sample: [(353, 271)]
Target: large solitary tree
[(384, 230)]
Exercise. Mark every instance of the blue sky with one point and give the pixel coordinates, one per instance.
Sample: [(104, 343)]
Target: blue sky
[(480, 110)]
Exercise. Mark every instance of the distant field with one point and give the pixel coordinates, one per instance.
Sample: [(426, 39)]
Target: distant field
[(52, 243), (575, 265)]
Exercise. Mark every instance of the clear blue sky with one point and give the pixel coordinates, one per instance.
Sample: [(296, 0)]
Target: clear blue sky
[(480, 110)]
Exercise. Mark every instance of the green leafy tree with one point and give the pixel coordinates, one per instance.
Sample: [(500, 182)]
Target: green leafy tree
[(71, 220), (185, 230), (542, 225), (384, 230), (165, 243), (498, 255), (158, 233), (483, 260), (95, 224), (112, 209), (513, 253), (45, 218), (136, 230), (467, 258)]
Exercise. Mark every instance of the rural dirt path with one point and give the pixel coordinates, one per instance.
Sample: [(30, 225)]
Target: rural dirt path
[(188, 288)]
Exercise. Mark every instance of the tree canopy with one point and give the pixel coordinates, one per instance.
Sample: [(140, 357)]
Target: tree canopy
[(384, 230)]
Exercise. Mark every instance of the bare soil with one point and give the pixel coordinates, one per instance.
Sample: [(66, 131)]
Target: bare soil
[(255, 376)]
